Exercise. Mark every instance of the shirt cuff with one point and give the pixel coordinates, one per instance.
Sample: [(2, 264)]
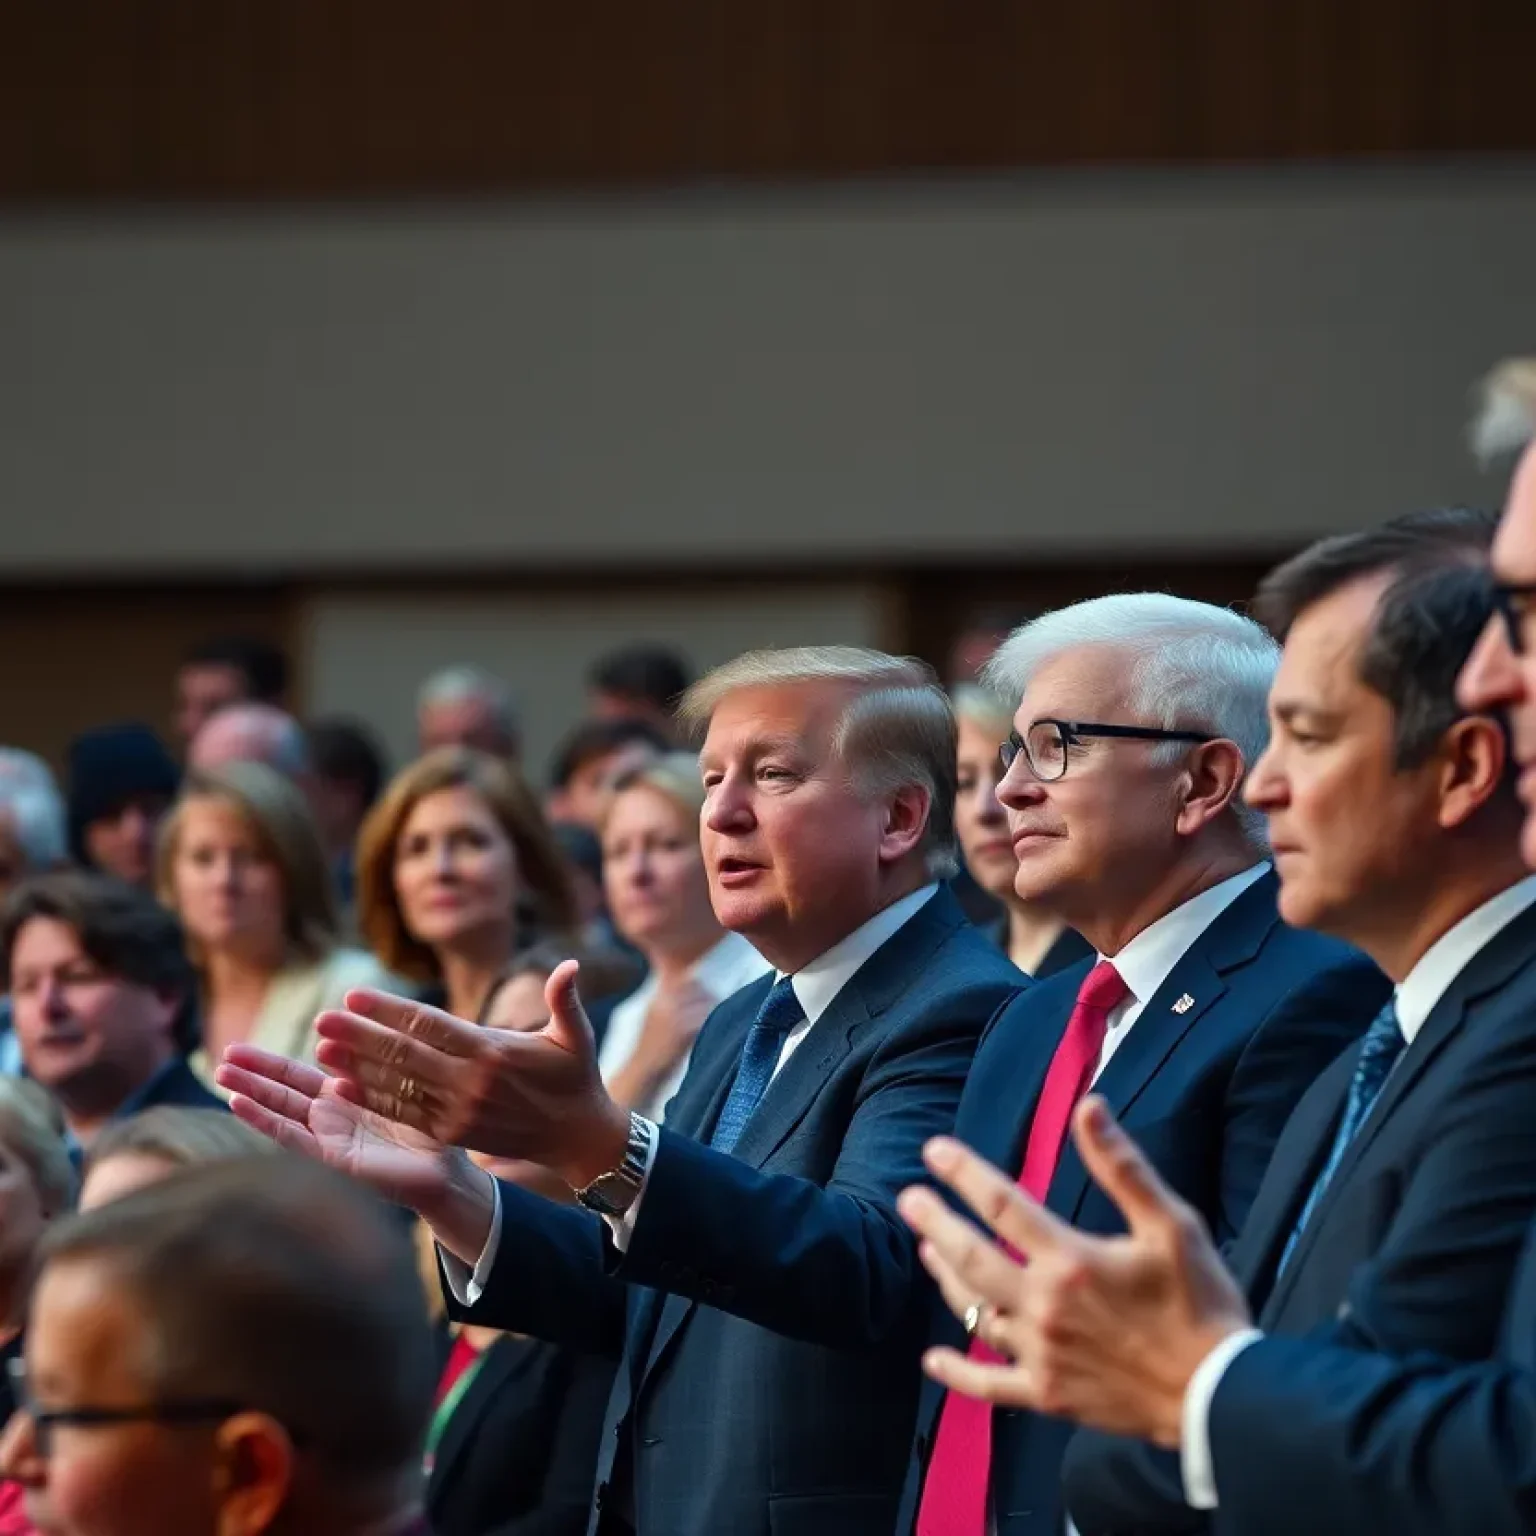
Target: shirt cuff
[(1196, 1464), (467, 1285), (623, 1227)]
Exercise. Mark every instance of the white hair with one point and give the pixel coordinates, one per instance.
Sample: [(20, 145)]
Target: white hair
[(1506, 419), (466, 684), (898, 730), (33, 809), (1193, 666)]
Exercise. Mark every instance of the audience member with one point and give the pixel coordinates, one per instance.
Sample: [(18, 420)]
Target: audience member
[(121, 782), (1204, 1017), (592, 759), (37, 1184), (241, 865), (744, 1261), (456, 871), (638, 682), (104, 998), (234, 669), (583, 853), (141, 1150), (240, 1348), (34, 837), (1035, 939), (254, 733), (658, 893), (467, 707), (512, 1448), (1395, 825), (349, 776)]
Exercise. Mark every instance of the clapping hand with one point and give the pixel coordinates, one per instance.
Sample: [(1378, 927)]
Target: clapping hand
[(1104, 1330)]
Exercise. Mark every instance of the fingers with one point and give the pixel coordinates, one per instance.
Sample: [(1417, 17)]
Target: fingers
[(396, 1093), (288, 1135), (254, 1062), (287, 1103), (1116, 1164), (995, 1198), (416, 1021), (383, 1050), (952, 1247), (1004, 1384), (568, 1024)]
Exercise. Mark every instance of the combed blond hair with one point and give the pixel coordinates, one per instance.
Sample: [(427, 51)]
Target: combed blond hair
[(275, 810), (541, 867), (1506, 416), (898, 730), (179, 1135), (32, 1128)]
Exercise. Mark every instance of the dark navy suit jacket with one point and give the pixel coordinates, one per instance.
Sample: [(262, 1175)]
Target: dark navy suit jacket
[(1414, 1242), (1204, 1086), (769, 1311)]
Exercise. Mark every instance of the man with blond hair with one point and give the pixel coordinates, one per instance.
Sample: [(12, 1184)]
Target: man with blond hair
[(745, 1262)]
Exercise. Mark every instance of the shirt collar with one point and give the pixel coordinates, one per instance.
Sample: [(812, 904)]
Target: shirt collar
[(1454, 950), (817, 984), (1148, 960)]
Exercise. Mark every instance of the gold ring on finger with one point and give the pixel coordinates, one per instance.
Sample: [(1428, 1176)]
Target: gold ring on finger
[(408, 1089)]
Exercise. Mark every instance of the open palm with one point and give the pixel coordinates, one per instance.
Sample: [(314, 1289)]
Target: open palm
[(303, 1110)]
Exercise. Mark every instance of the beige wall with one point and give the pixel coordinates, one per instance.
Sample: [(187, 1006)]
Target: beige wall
[(1053, 364)]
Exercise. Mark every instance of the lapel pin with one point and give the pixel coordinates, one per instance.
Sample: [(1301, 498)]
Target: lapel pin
[(1184, 1004)]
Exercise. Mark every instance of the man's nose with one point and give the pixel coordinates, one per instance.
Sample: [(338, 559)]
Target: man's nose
[(1490, 677), (1018, 787), (1263, 788), (728, 808)]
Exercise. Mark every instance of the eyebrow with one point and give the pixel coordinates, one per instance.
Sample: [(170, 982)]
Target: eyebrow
[(1287, 711), (762, 746)]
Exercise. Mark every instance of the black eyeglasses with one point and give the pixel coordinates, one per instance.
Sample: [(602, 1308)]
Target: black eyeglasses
[(192, 1410), (1512, 601), (1045, 744)]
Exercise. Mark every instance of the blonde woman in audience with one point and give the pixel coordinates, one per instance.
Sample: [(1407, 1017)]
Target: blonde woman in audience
[(456, 871), (658, 897), (145, 1148), (241, 864), (1036, 942), (37, 1183)]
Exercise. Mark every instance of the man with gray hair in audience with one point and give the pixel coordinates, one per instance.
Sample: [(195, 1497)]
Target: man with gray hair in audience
[(1202, 1017), (744, 1261), (253, 733), (468, 707)]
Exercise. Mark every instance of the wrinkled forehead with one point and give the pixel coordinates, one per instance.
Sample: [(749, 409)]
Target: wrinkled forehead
[(802, 716), (1514, 547), (1085, 682)]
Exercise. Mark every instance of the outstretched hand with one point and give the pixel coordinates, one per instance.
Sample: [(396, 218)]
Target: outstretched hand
[(533, 1095), (1104, 1330)]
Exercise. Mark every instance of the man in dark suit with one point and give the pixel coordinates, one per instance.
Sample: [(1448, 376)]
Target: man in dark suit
[(1397, 1201), (1149, 1335), (104, 998), (1203, 1018), (745, 1263)]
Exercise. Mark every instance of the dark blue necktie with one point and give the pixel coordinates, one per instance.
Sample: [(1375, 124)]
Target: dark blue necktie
[(780, 1012), (1379, 1051)]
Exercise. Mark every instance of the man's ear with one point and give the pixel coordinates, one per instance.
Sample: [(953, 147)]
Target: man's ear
[(254, 1474), (906, 820), (1213, 777), (1474, 761)]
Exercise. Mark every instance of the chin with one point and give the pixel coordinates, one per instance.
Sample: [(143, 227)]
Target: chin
[(1300, 907)]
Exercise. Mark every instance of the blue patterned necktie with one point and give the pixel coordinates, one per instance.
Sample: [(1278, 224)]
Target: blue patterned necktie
[(780, 1012), (1379, 1051)]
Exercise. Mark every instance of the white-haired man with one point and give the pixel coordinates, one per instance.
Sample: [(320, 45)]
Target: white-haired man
[(253, 733), (746, 1261), (1202, 1018), (467, 707)]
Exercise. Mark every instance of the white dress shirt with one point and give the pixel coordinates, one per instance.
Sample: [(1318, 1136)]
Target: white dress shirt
[(1148, 960), (816, 986), (1416, 997), (724, 968)]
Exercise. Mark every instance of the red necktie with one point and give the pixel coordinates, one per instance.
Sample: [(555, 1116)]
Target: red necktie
[(954, 1499)]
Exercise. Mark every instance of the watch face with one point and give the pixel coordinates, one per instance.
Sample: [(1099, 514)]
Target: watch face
[(610, 1195)]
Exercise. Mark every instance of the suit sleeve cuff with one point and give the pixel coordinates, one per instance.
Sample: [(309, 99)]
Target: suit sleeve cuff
[(468, 1285), (1196, 1464), (623, 1227)]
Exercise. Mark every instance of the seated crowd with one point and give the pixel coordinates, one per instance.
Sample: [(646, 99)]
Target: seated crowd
[(387, 1156)]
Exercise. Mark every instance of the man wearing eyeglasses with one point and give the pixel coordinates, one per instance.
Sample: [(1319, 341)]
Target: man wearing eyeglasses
[(241, 1349), (1202, 1018)]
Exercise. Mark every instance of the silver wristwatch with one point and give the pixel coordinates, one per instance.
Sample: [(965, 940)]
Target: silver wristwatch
[(612, 1193)]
